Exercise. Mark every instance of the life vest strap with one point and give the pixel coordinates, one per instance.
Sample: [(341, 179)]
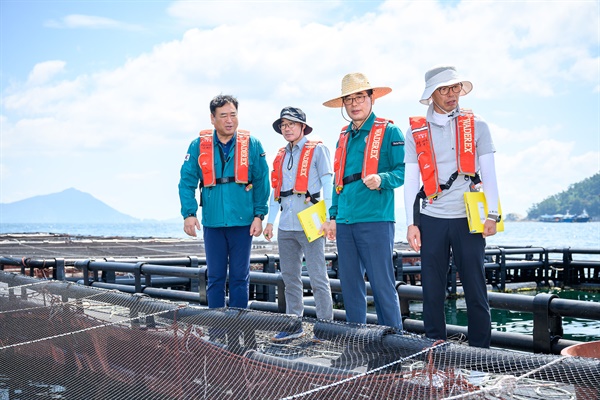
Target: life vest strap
[(352, 178), (417, 207), (225, 179), (475, 180), (286, 193), (314, 198)]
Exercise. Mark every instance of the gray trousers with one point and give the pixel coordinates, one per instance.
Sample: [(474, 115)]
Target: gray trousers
[(292, 246)]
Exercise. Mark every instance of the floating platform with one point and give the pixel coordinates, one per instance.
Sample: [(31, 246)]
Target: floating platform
[(51, 245)]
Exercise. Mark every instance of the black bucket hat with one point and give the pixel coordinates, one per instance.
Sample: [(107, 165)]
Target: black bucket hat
[(293, 114)]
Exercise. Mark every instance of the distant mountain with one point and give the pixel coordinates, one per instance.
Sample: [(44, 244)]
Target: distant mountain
[(68, 206)]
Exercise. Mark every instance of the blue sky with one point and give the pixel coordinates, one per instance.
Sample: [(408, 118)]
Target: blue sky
[(105, 96)]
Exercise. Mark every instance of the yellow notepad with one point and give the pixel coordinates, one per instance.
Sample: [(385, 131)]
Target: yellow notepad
[(477, 212), (312, 219)]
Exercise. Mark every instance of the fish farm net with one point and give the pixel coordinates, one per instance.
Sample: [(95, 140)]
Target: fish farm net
[(62, 340)]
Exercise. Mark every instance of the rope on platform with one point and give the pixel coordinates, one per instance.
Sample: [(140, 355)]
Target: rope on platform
[(508, 384), (360, 376)]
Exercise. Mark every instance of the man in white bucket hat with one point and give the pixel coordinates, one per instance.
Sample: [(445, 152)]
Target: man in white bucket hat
[(368, 166), (451, 151)]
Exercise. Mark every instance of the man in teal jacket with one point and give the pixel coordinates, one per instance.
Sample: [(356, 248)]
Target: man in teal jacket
[(233, 174), (368, 166)]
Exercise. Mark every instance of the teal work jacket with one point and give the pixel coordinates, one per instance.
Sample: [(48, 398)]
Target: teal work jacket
[(227, 204), (357, 203)]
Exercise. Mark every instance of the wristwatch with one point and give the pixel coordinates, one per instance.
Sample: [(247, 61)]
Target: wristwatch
[(494, 217), (261, 216)]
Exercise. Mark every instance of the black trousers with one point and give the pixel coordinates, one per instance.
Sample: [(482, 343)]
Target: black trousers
[(438, 236)]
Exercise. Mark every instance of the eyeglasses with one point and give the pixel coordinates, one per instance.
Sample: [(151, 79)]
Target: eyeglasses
[(359, 99), (290, 125), (455, 89)]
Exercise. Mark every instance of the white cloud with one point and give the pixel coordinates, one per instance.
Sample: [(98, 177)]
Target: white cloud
[(78, 21), (121, 134), (213, 13), (45, 71)]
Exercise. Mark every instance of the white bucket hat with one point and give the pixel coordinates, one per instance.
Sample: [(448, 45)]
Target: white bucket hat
[(354, 83), (443, 76)]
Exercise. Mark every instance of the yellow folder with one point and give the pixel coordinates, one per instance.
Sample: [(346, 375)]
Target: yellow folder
[(477, 212), (312, 219)]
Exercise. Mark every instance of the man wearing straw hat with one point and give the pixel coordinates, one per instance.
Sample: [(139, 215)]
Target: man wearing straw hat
[(368, 167), (300, 170), (451, 151)]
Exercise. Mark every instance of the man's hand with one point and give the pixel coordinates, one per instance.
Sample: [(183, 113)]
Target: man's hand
[(268, 233), (329, 229), (190, 225), (324, 228), (413, 236), (372, 181), (256, 227), (489, 228)]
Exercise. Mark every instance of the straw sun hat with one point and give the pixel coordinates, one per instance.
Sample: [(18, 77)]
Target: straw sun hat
[(445, 75), (354, 83)]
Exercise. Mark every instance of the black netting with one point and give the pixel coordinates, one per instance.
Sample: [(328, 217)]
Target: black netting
[(66, 341)]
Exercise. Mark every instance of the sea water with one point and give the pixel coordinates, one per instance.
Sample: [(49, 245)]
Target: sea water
[(579, 329), (584, 235)]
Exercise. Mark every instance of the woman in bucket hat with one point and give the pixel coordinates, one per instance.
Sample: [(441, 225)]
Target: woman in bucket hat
[(448, 150), (368, 167), (296, 189)]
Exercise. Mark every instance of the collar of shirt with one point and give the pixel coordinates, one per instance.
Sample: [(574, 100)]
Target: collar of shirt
[(440, 119), (298, 145), (226, 147)]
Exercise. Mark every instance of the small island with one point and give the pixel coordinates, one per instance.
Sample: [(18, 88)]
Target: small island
[(579, 203)]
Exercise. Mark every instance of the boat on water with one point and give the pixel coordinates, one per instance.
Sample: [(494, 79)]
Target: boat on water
[(583, 217), (568, 217), (551, 218)]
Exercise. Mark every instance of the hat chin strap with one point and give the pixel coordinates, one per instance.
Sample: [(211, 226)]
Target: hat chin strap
[(449, 114), (351, 121)]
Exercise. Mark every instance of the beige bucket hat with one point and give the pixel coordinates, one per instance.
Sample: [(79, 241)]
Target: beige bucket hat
[(444, 75), (354, 83)]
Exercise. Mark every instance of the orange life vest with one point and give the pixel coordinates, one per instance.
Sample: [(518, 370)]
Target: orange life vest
[(206, 160), (465, 150), (371, 157), (301, 183)]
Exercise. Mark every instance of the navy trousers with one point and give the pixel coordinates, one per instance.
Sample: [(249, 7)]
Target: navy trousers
[(368, 247), (438, 236), (229, 246)]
